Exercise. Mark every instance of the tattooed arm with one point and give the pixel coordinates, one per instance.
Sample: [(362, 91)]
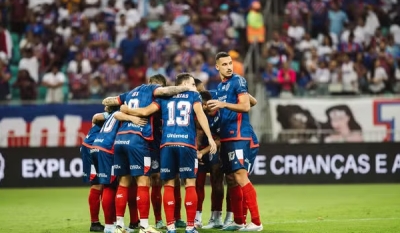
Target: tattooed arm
[(170, 91), (111, 101)]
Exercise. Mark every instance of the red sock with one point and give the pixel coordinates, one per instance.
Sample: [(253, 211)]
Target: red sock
[(108, 204), (94, 204), (133, 210), (228, 202), (244, 203), (143, 201), (120, 200), (236, 195), (178, 202), (250, 195), (191, 205), (156, 201), (200, 182), (169, 204)]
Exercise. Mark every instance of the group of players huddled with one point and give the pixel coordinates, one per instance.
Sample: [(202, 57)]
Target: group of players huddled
[(154, 136)]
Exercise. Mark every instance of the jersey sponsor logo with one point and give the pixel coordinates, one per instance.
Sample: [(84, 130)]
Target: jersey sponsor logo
[(174, 135), (223, 98), (99, 140), (133, 125), (2, 166), (185, 169), (120, 142), (135, 167), (47, 168), (165, 170), (231, 155), (102, 175), (94, 150)]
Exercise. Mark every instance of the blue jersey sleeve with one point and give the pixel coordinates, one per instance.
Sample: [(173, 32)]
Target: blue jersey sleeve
[(196, 98), (214, 94), (153, 87), (241, 86), (122, 97)]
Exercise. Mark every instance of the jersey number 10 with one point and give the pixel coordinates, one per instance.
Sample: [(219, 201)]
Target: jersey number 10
[(184, 109)]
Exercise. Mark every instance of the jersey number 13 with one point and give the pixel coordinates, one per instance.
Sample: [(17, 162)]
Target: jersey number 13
[(183, 108)]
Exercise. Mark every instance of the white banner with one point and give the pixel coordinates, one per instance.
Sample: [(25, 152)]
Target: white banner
[(335, 120)]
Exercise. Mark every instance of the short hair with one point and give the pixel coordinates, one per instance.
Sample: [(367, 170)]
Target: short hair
[(158, 78), (111, 109), (197, 81), (205, 95), (180, 78), (221, 54)]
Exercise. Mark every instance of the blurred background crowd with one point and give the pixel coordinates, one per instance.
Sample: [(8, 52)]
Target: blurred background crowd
[(56, 50)]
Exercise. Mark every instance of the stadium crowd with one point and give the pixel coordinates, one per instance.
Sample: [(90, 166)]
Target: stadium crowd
[(58, 49), (87, 49)]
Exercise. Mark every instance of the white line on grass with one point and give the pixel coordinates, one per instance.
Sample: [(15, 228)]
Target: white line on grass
[(330, 220)]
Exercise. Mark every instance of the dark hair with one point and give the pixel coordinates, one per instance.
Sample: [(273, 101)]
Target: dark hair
[(353, 124), (205, 95), (180, 78), (113, 108), (158, 78), (197, 81), (221, 54)]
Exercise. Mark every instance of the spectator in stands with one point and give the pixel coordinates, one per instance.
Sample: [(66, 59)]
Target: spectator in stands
[(78, 72), (319, 15), (113, 75), (304, 83), (131, 13), (209, 67), (296, 31), (26, 85), (130, 48), (337, 19), (377, 78), (6, 43), (30, 63), (155, 12), (137, 72), (64, 30), (270, 77), (349, 75), (321, 78), (325, 49), (96, 88), (121, 30), (297, 10), (255, 24), (154, 69), (198, 41), (200, 74), (91, 8), (5, 77), (54, 81), (18, 16), (171, 28), (287, 79), (395, 31)]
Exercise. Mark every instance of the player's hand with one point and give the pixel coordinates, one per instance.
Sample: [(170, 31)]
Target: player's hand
[(138, 121), (215, 104), (213, 146), (124, 108), (200, 157)]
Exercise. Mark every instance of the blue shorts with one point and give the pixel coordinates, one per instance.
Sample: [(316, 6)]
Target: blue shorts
[(209, 160), (250, 161), (234, 155), (155, 160), (89, 166), (132, 155), (105, 165), (180, 160)]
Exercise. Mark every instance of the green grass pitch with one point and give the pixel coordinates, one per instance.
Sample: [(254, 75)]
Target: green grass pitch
[(284, 209)]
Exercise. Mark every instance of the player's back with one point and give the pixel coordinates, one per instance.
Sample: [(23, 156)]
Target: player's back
[(105, 138), (139, 97), (234, 125), (178, 119), (92, 134)]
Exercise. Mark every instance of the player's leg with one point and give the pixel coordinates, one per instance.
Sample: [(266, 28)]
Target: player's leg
[(156, 186), (179, 223), (132, 204), (121, 166), (200, 190), (250, 166), (90, 175), (156, 199), (107, 179), (140, 166), (188, 166), (232, 162), (241, 151), (217, 194), (169, 168)]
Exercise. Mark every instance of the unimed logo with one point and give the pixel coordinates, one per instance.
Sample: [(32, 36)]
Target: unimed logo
[(47, 168)]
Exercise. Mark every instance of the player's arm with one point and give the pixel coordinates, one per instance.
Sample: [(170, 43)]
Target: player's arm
[(99, 117), (207, 149), (202, 119), (243, 104), (134, 119), (140, 112), (170, 91), (112, 101), (253, 101)]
